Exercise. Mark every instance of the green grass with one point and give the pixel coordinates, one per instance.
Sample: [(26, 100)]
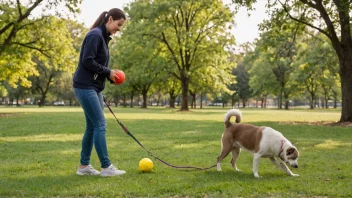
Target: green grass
[(39, 153)]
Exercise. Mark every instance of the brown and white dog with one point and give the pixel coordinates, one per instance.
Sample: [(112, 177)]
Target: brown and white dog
[(262, 141)]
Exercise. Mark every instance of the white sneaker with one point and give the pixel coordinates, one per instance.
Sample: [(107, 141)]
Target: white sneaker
[(111, 171), (89, 170)]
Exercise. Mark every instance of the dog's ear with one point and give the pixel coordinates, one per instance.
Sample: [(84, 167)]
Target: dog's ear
[(290, 151)]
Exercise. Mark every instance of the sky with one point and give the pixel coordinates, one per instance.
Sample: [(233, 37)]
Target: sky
[(246, 30)]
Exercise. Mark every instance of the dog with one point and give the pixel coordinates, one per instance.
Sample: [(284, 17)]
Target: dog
[(264, 142)]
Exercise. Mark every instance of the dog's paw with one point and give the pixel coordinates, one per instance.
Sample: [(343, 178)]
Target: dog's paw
[(294, 175), (238, 170), (257, 176)]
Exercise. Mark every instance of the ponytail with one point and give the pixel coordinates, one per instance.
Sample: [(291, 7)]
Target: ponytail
[(104, 16), (100, 20)]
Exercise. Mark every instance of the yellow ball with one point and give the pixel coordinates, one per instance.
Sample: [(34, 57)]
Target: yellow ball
[(146, 165)]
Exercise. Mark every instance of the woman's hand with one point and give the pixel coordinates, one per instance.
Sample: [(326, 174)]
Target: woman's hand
[(113, 76)]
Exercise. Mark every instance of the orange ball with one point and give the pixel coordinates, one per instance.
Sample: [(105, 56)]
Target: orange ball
[(119, 77)]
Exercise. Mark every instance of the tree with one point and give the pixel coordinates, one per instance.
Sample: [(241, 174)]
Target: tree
[(272, 65), (190, 31), (21, 33), (280, 38), (262, 80), (331, 18), (242, 87), (62, 57), (314, 64), (141, 60)]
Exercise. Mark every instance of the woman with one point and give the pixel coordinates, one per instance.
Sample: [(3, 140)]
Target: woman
[(89, 82)]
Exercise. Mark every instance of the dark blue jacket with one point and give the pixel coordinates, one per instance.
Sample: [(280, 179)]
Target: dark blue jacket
[(93, 66)]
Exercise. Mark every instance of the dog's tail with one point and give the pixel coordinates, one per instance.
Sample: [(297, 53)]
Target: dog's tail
[(229, 114)]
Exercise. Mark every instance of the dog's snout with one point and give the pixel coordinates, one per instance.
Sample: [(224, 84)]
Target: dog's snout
[(294, 165)]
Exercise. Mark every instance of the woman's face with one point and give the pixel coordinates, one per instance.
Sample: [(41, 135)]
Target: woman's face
[(112, 26)]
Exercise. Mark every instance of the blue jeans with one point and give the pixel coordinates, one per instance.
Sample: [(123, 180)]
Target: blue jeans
[(93, 106)]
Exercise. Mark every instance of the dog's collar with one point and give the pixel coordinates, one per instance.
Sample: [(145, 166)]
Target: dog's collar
[(282, 148)]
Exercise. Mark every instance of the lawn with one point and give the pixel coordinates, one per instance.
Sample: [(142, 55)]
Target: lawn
[(40, 147)]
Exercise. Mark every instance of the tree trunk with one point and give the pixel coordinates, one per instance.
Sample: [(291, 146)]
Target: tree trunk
[(287, 101), (172, 101), (326, 103), (42, 100), (144, 103), (193, 100), (287, 104), (279, 101), (185, 87), (346, 88), (311, 101), (173, 97), (326, 100)]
